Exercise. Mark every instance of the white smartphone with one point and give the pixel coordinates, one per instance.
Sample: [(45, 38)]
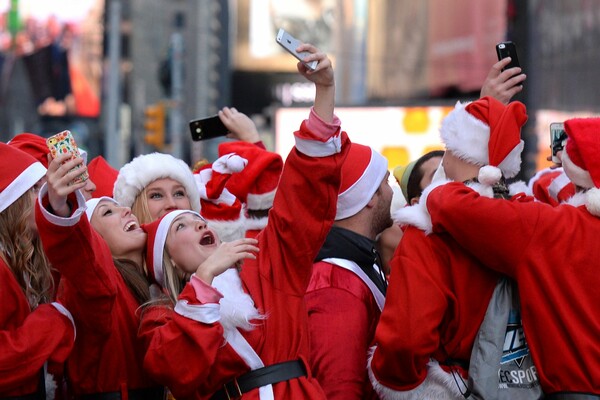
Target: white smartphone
[(290, 43)]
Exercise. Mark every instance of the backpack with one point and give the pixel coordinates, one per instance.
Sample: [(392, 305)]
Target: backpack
[(501, 366)]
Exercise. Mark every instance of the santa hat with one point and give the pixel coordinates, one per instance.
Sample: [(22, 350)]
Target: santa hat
[(141, 171), (91, 205), (20, 171), (219, 206), (363, 171), (103, 176), (256, 185), (32, 144), (551, 186), (486, 132), (402, 174), (581, 158), (157, 237)]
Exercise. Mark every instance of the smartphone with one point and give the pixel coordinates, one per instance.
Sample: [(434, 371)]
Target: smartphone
[(290, 43), (63, 143), (508, 49), (558, 137), (207, 128)]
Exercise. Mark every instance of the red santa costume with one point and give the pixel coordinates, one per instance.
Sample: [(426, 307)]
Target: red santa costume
[(256, 185), (106, 362), (347, 289), (30, 336), (551, 186), (195, 351), (438, 293), (552, 255)]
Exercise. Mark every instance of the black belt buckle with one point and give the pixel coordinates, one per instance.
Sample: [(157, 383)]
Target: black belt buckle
[(236, 387)]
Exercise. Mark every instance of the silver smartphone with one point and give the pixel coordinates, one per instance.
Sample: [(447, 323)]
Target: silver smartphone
[(558, 137), (290, 43)]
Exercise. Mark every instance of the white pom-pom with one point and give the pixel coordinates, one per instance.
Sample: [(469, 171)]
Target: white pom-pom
[(592, 201), (229, 164), (489, 175)]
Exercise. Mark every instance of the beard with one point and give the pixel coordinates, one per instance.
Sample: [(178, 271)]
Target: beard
[(237, 307)]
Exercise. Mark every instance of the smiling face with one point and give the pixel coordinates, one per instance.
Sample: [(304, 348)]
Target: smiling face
[(190, 242), (120, 229), (164, 195)]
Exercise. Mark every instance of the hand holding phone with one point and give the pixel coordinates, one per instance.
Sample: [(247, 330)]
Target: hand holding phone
[(508, 49), (63, 143), (290, 43), (207, 128), (558, 137)]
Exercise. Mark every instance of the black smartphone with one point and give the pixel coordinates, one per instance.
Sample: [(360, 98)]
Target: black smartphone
[(558, 137), (207, 128), (508, 49)]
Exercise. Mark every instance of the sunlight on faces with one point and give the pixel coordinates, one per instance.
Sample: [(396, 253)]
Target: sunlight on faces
[(120, 229), (190, 242), (164, 195)]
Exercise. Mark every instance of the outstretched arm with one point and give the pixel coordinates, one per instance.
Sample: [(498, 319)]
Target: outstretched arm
[(503, 85)]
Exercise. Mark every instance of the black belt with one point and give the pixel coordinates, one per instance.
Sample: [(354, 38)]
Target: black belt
[(153, 393), (572, 396), (260, 377)]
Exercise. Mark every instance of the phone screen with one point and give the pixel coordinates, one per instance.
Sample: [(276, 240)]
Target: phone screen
[(207, 128), (558, 137)]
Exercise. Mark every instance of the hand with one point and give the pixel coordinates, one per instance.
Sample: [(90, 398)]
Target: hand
[(323, 74), (239, 124), (503, 85), (60, 181), (228, 254)]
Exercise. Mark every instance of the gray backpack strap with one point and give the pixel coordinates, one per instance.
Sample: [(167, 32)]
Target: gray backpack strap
[(501, 366)]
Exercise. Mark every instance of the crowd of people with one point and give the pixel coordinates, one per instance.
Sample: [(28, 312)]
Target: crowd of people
[(250, 277)]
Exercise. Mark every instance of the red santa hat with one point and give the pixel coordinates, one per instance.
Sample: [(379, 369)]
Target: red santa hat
[(256, 184), (157, 232), (363, 171), (551, 186), (581, 158), (488, 133), (141, 171), (32, 144), (219, 206), (20, 171), (103, 176)]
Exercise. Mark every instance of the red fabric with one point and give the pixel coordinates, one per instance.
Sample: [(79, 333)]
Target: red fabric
[(107, 355), (552, 253), (436, 299), (192, 359), (103, 175), (342, 316), (28, 338), (583, 145), (33, 145)]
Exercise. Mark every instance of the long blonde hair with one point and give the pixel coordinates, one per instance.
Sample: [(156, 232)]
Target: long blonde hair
[(140, 209), (22, 251), (174, 284)]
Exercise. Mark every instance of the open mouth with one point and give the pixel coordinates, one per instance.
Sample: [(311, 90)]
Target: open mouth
[(207, 239), (130, 226)]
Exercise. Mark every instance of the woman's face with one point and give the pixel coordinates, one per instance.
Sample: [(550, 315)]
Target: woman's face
[(190, 242), (165, 195), (120, 229)]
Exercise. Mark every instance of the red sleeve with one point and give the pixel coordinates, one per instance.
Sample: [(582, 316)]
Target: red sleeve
[(339, 337), (170, 339), (44, 335), (408, 331), (497, 232)]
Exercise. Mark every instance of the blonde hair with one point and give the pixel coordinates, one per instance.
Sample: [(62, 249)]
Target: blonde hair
[(174, 284), (22, 251), (140, 209)]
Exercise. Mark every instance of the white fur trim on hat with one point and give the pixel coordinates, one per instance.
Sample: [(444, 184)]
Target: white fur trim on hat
[(356, 197), (25, 181), (592, 201), (263, 201), (418, 215), (489, 175), (145, 169), (576, 174), (438, 384), (91, 205)]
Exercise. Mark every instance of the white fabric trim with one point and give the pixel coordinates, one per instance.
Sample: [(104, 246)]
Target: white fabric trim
[(356, 197), (206, 313), (558, 184), (315, 148), (61, 309), (91, 205), (247, 353), (21, 184), (353, 267), (575, 173), (256, 224), (418, 215), (262, 201), (60, 221)]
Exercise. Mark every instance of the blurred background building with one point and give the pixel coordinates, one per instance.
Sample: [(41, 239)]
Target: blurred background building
[(126, 76)]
